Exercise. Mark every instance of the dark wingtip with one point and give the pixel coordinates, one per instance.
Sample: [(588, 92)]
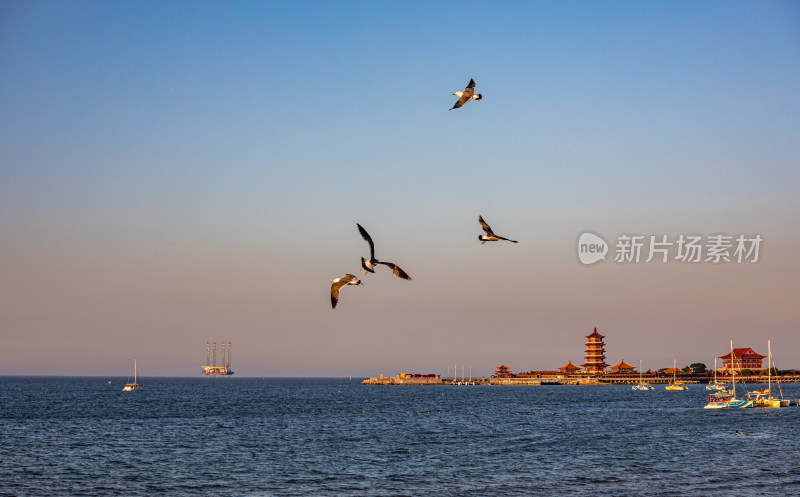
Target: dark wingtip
[(333, 302)]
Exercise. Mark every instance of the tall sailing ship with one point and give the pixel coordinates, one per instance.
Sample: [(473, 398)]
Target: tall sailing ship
[(211, 368)]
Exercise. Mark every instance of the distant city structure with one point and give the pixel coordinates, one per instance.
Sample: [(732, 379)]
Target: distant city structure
[(596, 372), (743, 358), (211, 368), (595, 354)]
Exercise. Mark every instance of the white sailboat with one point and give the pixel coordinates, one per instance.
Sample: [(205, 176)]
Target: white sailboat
[(715, 386), (129, 387), (642, 385), (721, 400), (764, 398)]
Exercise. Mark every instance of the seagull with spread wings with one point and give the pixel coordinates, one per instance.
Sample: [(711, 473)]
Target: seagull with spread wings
[(369, 265), (490, 236), (338, 283), (466, 95)]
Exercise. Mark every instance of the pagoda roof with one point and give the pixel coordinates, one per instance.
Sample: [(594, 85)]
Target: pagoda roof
[(595, 334), (623, 365), (502, 366), (595, 364), (673, 370), (569, 367), (743, 353)]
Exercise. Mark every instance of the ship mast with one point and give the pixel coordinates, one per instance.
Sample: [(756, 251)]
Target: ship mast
[(733, 374), (769, 368)]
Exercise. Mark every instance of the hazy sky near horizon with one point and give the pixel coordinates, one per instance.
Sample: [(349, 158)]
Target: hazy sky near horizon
[(182, 172)]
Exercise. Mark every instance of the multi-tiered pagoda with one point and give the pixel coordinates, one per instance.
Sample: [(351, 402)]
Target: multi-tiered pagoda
[(502, 372), (595, 354)]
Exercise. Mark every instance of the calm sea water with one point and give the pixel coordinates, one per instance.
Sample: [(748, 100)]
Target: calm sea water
[(283, 437)]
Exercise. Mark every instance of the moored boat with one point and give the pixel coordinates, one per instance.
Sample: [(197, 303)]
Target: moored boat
[(676, 385), (130, 387), (719, 387), (763, 398), (642, 385), (721, 400), (728, 400)]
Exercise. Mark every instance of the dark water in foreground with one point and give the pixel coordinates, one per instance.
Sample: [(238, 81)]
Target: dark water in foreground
[(256, 437)]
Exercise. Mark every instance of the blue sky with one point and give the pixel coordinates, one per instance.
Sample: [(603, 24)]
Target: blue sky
[(191, 171)]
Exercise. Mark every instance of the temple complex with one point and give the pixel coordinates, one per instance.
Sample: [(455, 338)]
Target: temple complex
[(595, 354), (743, 358), (623, 367), (502, 372), (569, 368)]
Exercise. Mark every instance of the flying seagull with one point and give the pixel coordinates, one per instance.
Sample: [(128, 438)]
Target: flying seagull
[(490, 236), (338, 283), (369, 265), (466, 95)]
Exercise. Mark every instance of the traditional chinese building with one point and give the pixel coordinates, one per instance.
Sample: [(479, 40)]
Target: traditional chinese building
[(502, 372), (569, 368), (743, 358), (623, 367), (595, 354)]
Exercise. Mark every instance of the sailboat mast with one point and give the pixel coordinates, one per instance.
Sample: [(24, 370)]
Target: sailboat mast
[(134, 370), (733, 374), (769, 366)]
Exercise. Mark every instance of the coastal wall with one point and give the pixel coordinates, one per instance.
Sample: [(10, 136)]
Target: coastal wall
[(403, 380)]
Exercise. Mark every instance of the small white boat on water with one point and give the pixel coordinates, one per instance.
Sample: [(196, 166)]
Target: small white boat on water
[(642, 385), (717, 387), (130, 387)]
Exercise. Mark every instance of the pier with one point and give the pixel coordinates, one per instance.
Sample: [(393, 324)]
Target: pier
[(561, 379)]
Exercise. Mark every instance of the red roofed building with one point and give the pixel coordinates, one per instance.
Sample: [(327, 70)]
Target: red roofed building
[(623, 367), (595, 354), (569, 368), (503, 372), (743, 358)]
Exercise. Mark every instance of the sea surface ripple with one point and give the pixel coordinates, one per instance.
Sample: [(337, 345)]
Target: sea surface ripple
[(286, 437)]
